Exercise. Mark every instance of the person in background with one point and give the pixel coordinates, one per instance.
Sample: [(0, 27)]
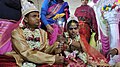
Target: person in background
[(54, 14), (10, 14), (87, 20), (112, 16), (30, 43)]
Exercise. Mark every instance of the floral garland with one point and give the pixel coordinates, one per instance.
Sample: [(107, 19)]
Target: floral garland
[(75, 53), (33, 38), (27, 64), (82, 56)]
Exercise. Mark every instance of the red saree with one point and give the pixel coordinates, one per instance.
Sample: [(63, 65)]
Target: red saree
[(97, 56), (85, 30)]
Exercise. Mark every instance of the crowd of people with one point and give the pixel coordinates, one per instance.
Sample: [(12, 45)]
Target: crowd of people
[(33, 38)]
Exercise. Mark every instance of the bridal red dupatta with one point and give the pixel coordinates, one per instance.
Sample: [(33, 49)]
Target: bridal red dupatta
[(96, 55)]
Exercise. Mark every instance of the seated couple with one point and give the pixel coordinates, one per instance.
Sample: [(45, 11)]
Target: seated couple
[(30, 45)]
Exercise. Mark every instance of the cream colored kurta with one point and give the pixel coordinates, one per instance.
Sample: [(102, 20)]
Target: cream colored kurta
[(23, 52)]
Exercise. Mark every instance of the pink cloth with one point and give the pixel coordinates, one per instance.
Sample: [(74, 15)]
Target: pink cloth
[(6, 48), (53, 37), (6, 28), (105, 44)]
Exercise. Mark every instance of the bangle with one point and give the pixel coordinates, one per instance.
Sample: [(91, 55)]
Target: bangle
[(70, 41)]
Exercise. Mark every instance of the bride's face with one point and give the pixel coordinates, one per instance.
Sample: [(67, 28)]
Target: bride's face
[(73, 30)]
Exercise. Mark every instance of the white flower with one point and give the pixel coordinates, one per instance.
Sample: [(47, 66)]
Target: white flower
[(32, 34), (83, 56), (27, 64)]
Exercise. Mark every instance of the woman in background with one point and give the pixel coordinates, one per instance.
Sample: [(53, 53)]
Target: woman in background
[(54, 14), (87, 20)]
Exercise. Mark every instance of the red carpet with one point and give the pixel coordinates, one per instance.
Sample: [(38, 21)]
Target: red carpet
[(6, 61)]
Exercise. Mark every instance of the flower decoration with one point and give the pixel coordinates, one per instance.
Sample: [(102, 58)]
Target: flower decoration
[(74, 54), (109, 7), (27, 64), (33, 38)]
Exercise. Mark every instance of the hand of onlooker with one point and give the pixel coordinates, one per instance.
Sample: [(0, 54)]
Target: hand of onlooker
[(59, 59), (49, 28), (113, 52)]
